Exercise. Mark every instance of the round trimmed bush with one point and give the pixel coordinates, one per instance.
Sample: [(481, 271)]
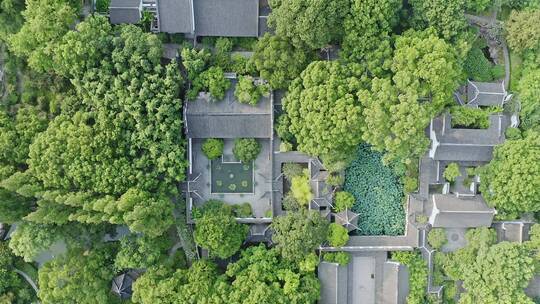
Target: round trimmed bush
[(343, 200), (246, 149), (337, 235), (213, 148)]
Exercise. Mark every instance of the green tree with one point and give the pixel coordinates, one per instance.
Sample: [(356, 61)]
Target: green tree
[(498, 275), (447, 17), (308, 23), (342, 258), (343, 200), (478, 6), (523, 32), (213, 148), (13, 207), (291, 170), (511, 181), (218, 231), (80, 277), (246, 91), (30, 239), (367, 33), (301, 189), (425, 67), (212, 80), (529, 97), (337, 235), (278, 61), (246, 149), (195, 61), (324, 112), (418, 275), (11, 18), (141, 251), (297, 234), (13, 290), (46, 21), (451, 172), (437, 238)]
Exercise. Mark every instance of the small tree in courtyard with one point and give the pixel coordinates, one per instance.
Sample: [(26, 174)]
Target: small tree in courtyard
[(246, 149), (213, 148), (451, 172), (343, 200)]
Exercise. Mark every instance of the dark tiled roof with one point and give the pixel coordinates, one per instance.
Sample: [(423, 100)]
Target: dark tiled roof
[(228, 118), (486, 93), (175, 16), (124, 11), (333, 283), (450, 211), (232, 18)]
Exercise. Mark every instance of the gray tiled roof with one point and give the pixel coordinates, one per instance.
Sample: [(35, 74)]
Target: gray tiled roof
[(228, 118), (450, 211), (175, 16), (486, 93), (395, 283), (333, 280), (233, 18), (124, 11)]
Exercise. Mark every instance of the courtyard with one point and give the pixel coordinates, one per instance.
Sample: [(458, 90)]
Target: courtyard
[(231, 177)]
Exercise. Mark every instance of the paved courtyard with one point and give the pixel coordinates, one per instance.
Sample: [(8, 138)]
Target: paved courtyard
[(257, 192)]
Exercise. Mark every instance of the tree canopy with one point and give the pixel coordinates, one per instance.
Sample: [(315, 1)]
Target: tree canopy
[(511, 181), (446, 17), (308, 23), (324, 111), (529, 97), (523, 32)]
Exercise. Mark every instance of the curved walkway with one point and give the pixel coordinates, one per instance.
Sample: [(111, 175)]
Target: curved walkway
[(28, 279)]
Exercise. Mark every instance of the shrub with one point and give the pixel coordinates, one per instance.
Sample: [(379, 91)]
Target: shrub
[(513, 134), (246, 149), (223, 45), (213, 148), (285, 146), (467, 117), (301, 189), (477, 66), (242, 210), (335, 179), (282, 128), (410, 184), (451, 172), (337, 235), (343, 200), (437, 238), (342, 258), (102, 6), (378, 194), (291, 170), (498, 72), (247, 92), (290, 203)]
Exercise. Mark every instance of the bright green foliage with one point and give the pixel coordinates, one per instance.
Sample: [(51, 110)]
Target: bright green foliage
[(10, 17), (291, 170), (452, 172), (310, 263), (79, 277), (301, 189), (13, 207), (424, 66), (13, 289), (477, 66), (324, 112), (337, 235), (218, 231), (437, 238), (246, 91), (195, 61), (298, 234), (523, 30), (140, 252), (529, 97), (46, 21), (378, 194), (511, 181), (498, 275), (343, 200), (213, 148), (30, 239), (212, 80), (246, 149), (513, 133), (262, 276), (278, 61), (308, 23), (445, 16), (469, 118), (198, 284), (418, 274), (342, 258), (478, 6), (367, 33)]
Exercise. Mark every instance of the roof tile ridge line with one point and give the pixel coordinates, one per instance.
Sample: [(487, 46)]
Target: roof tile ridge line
[(477, 92)]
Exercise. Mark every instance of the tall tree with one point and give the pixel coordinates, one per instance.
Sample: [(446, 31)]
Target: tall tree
[(511, 181), (46, 21), (278, 61), (297, 234), (447, 17), (367, 33), (308, 23), (523, 30), (529, 97), (397, 111), (78, 277), (324, 111), (11, 18)]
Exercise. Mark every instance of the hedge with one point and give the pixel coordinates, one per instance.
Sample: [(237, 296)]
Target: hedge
[(378, 194)]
